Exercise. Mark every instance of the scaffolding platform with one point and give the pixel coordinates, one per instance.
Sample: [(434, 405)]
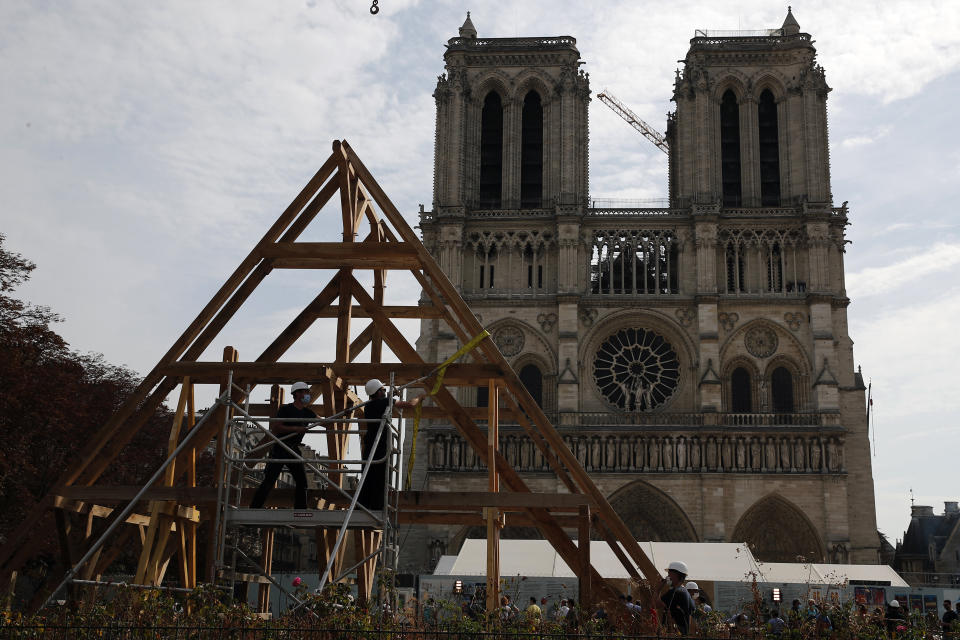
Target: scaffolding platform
[(305, 518)]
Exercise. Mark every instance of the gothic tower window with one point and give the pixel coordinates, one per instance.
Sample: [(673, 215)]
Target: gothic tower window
[(730, 149), (634, 262), (531, 154), (532, 379), (735, 268), (781, 390), (491, 151), (774, 268), (769, 150), (486, 259), (740, 391)]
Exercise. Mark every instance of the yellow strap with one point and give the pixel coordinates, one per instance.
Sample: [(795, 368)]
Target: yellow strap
[(441, 371)]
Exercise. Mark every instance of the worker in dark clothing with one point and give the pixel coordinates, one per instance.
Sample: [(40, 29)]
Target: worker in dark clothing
[(291, 433), (676, 600), (894, 617), (372, 491), (949, 616)]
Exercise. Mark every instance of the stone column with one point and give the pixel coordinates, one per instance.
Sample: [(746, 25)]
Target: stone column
[(705, 230), (750, 151), (512, 140)]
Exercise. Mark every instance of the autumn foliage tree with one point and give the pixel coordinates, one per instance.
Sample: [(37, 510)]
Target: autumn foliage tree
[(52, 399)]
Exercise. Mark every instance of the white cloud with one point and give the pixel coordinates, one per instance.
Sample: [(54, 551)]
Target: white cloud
[(886, 279), (863, 140)]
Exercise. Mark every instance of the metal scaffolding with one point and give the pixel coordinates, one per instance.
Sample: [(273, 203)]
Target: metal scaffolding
[(246, 441)]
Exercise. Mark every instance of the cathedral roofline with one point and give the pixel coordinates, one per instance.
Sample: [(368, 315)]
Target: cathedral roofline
[(490, 45), (763, 40)]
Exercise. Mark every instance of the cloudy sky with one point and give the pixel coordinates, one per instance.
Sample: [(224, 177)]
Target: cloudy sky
[(145, 147)]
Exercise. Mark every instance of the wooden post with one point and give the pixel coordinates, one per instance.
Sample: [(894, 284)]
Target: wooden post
[(583, 543), (492, 514)]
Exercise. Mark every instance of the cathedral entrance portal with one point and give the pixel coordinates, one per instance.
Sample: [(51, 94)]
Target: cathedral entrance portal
[(777, 531), (651, 514)]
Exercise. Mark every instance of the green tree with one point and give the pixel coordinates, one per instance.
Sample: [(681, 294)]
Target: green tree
[(52, 399)]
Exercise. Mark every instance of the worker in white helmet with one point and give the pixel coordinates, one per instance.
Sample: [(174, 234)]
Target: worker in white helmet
[(291, 433), (372, 491), (677, 603)]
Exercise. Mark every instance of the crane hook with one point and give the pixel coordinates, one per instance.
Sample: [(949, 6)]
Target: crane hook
[(374, 8)]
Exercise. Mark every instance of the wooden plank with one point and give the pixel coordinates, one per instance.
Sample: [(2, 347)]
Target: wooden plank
[(398, 262), (351, 373), (453, 500), (507, 416), (477, 519), (583, 541), (393, 312), (368, 252)]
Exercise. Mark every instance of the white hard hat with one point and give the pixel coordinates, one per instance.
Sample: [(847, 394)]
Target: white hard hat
[(693, 586), (678, 566), (373, 386), (894, 603), (299, 386)]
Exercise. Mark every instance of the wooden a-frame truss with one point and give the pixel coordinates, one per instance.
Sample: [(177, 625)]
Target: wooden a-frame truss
[(167, 526)]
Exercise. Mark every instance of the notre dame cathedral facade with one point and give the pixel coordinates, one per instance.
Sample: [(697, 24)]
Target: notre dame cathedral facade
[(695, 357)]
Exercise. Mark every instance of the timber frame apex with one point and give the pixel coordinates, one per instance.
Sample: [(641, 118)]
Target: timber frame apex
[(390, 244)]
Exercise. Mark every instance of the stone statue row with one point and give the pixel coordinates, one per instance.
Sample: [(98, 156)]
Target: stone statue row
[(622, 453)]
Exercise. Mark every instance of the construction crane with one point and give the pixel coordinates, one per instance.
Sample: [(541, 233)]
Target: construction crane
[(621, 110)]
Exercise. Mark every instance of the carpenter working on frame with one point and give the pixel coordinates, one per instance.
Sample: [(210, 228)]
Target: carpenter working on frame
[(372, 491), (291, 433)]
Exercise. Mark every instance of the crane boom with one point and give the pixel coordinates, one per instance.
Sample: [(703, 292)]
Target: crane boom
[(621, 110)]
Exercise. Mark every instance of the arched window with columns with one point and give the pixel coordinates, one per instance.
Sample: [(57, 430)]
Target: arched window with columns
[(769, 139), (730, 150), (741, 391), (531, 152), (781, 390), (532, 379), (491, 152)]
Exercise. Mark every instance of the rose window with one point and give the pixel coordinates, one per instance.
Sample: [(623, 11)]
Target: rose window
[(636, 369)]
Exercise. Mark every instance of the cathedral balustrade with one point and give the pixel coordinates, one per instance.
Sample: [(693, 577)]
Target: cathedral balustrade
[(677, 452), (635, 212), (511, 213), (561, 42), (760, 212)]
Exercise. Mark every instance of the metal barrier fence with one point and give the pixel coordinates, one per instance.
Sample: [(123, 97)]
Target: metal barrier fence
[(54, 632)]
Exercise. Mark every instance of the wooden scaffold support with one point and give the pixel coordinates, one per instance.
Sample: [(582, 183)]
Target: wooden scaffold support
[(168, 515)]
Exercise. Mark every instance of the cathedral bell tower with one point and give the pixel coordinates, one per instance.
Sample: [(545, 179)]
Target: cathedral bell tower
[(695, 357)]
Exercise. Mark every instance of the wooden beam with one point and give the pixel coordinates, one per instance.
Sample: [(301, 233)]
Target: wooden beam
[(477, 519), (351, 372), (453, 500), (339, 255), (393, 312)]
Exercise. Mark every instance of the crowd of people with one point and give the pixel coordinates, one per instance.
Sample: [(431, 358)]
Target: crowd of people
[(682, 608)]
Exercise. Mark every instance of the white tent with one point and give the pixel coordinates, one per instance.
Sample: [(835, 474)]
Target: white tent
[(715, 561), (845, 573), (708, 561)]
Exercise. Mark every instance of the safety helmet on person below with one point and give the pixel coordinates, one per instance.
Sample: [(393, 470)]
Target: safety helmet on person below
[(678, 566), (894, 603), (692, 586), (299, 386), (373, 386)]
